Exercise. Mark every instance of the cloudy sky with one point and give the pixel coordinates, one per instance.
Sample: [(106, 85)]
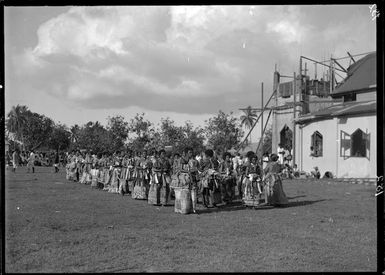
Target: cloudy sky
[(80, 64)]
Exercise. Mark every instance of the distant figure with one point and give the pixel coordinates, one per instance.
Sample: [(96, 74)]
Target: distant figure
[(281, 153), (15, 159), (312, 151), (296, 171), (265, 160), (31, 161), (328, 175), (316, 173), (56, 162)]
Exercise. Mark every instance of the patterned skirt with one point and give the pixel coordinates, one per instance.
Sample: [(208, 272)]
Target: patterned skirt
[(154, 194), (140, 191), (251, 195), (183, 203), (274, 191), (114, 187)]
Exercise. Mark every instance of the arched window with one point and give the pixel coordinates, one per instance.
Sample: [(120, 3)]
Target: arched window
[(286, 136), (358, 144), (316, 144)]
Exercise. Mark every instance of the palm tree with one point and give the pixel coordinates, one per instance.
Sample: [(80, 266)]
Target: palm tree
[(74, 133), (17, 119), (248, 118)]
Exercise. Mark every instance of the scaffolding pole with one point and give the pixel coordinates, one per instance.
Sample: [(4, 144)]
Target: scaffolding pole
[(256, 121), (262, 113), (294, 111), (264, 129)]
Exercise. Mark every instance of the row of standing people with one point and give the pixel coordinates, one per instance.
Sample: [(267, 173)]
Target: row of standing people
[(153, 176)]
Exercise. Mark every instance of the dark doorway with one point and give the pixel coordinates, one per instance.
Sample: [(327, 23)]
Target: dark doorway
[(286, 137)]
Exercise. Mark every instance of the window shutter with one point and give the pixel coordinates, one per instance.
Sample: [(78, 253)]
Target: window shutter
[(367, 139), (345, 145)]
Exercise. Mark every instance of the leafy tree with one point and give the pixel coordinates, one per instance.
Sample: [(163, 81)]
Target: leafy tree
[(194, 137), (142, 131), (170, 133), (37, 130), (118, 129), (94, 137), (248, 119), (74, 133), (223, 132), (17, 120), (60, 138)]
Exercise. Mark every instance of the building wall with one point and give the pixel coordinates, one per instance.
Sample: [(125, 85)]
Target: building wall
[(352, 167), (358, 167), (328, 160), (281, 118), (367, 96)]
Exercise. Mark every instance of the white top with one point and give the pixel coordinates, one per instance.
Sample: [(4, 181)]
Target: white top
[(280, 150)]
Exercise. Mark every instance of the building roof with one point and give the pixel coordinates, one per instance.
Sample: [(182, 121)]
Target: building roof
[(344, 109), (361, 76)]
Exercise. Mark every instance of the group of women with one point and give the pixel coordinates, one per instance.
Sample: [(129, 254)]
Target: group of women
[(154, 176)]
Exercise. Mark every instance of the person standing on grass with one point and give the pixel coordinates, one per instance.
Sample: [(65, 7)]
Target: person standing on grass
[(209, 165), (227, 181), (15, 159), (241, 177), (165, 178), (274, 190), (56, 162), (31, 161), (190, 166), (252, 187)]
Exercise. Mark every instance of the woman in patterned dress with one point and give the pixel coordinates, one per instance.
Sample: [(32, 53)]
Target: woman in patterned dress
[(130, 171), (227, 178), (190, 164), (274, 190), (143, 178), (208, 169), (165, 178), (117, 164), (155, 181), (252, 188)]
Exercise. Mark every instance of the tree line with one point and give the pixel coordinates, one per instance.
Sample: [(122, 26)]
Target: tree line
[(34, 131)]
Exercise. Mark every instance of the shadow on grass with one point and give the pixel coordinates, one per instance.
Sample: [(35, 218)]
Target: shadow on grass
[(239, 206), (300, 203), (234, 206), (301, 196)]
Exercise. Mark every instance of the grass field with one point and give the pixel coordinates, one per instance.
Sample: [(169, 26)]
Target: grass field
[(53, 225)]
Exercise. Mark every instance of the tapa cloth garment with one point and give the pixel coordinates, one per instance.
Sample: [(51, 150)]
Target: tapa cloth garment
[(251, 193), (183, 203), (227, 183), (94, 178), (140, 192), (180, 180), (164, 194), (154, 193), (114, 188), (274, 190), (141, 188)]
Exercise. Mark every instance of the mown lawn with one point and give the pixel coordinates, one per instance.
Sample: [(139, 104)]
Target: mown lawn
[(53, 225)]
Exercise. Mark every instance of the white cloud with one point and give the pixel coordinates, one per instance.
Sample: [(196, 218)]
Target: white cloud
[(194, 59)]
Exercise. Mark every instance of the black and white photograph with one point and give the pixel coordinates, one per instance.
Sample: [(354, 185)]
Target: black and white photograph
[(192, 138)]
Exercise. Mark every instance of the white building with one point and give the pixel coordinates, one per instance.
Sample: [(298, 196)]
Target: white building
[(342, 138)]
